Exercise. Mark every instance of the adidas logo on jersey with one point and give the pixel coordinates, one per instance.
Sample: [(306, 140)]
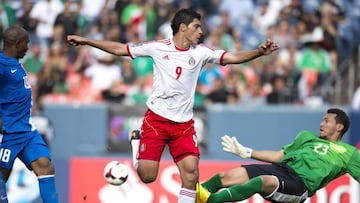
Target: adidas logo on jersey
[(166, 57)]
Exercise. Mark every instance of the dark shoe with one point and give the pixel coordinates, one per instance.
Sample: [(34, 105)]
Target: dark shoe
[(135, 135)]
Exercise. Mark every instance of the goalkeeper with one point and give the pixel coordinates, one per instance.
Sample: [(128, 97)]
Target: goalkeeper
[(296, 171)]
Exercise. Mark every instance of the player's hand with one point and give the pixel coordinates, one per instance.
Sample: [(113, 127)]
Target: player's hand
[(230, 144), (268, 47), (75, 40)]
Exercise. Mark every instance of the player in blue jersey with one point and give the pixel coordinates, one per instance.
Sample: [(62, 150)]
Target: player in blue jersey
[(20, 137)]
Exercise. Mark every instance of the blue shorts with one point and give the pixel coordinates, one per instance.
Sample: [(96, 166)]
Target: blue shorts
[(27, 146)]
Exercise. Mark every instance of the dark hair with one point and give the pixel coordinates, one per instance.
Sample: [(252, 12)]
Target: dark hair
[(341, 118), (13, 34), (186, 16)]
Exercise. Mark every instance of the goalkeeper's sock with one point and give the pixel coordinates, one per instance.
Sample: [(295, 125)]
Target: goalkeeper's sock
[(135, 150), (186, 196), (213, 184), (237, 192), (47, 188)]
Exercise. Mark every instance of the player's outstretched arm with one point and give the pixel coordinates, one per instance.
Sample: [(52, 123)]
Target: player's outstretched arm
[(266, 48), (112, 47), (230, 144)]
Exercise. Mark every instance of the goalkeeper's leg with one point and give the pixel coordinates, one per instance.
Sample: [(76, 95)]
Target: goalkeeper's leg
[(226, 179), (237, 192)]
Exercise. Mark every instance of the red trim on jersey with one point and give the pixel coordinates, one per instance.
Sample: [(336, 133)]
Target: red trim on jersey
[(180, 49), (128, 50), (221, 59)]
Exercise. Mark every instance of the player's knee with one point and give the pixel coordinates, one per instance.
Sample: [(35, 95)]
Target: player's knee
[(147, 178), (148, 170), (269, 184), (43, 166), (190, 177), (147, 175)]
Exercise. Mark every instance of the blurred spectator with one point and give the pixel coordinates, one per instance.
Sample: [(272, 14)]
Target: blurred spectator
[(315, 65), (330, 15), (239, 11), (91, 10), (33, 61), (45, 83), (114, 94), (108, 25), (280, 94), (218, 93), (282, 34), (235, 81), (266, 14), (7, 15), (57, 59), (81, 89), (288, 60), (254, 94), (163, 10), (83, 59), (82, 22), (138, 19), (208, 75), (220, 38), (291, 12), (119, 8), (104, 72), (26, 21), (60, 86), (164, 30), (138, 93), (262, 20), (199, 97), (68, 19), (142, 66), (45, 13), (127, 72)]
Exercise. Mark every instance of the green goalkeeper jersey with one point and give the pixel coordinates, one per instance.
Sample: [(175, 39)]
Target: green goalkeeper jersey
[(318, 161)]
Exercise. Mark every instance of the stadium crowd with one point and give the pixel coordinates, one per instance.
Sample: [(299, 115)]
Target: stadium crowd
[(316, 37)]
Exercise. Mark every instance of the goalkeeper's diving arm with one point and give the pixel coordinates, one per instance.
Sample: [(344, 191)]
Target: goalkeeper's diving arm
[(230, 144)]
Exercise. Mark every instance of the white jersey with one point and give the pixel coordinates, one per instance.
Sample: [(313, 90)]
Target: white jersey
[(176, 72)]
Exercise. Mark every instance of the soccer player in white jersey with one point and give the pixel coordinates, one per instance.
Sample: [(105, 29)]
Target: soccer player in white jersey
[(169, 118)]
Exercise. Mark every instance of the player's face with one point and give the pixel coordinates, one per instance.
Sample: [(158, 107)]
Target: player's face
[(22, 46), (328, 127), (193, 32)]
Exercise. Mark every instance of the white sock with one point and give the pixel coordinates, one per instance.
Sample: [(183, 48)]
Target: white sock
[(135, 149), (186, 196)]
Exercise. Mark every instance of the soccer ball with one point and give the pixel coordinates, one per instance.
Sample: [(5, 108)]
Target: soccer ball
[(116, 173)]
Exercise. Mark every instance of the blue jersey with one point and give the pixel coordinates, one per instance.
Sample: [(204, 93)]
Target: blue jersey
[(15, 96)]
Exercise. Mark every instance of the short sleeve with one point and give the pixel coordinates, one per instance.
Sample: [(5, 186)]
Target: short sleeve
[(353, 167)]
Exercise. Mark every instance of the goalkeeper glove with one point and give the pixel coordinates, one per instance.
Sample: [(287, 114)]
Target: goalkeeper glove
[(233, 146)]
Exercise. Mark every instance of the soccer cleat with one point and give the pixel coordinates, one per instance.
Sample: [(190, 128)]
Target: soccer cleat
[(135, 135), (202, 194)]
